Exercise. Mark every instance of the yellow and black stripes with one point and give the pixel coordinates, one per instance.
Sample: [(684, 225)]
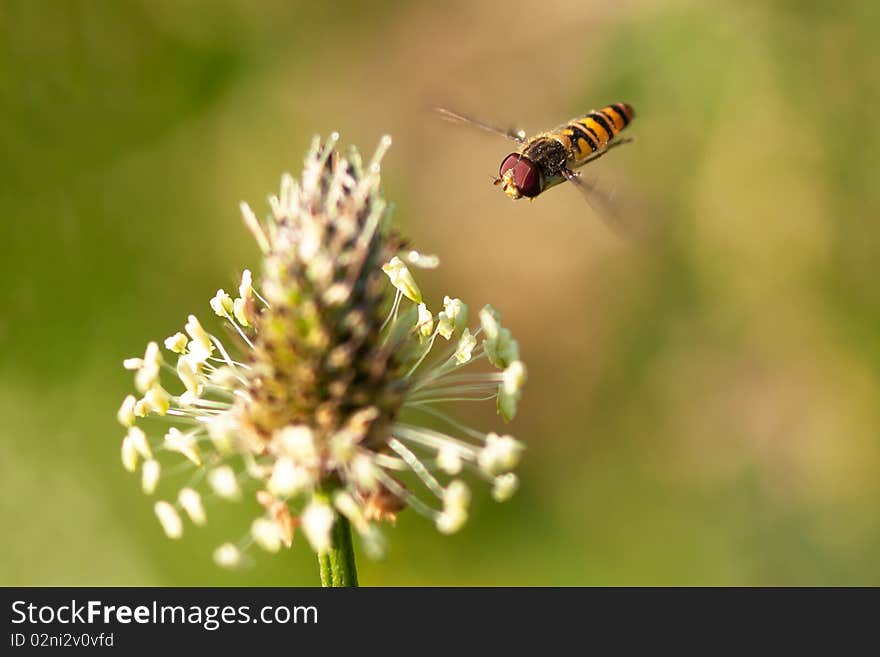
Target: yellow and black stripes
[(593, 131), (549, 158), (623, 111)]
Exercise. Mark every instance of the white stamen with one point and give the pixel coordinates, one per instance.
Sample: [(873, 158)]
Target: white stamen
[(150, 476), (224, 483), (148, 374), (221, 304), (317, 521), (184, 444), (504, 486), (363, 472), (227, 556), (288, 478), (347, 506), (453, 318), (240, 311), (501, 454), (125, 414), (514, 377), (129, 454), (253, 225), (449, 460), (298, 443), (140, 442), (169, 519), (425, 322), (266, 534), (157, 399), (246, 288), (422, 260), (465, 347), (176, 343), (191, 502), (188, 373), (499, 345), (200, 337), (402, 279)]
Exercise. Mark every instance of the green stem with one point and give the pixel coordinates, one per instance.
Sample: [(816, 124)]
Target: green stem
[(337, 565)]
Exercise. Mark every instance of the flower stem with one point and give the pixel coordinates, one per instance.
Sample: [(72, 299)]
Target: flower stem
[(337, 564)]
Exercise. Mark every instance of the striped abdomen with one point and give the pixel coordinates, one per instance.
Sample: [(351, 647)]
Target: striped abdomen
[(592, 132)]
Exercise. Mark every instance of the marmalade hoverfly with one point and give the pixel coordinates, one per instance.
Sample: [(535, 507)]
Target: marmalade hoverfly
[(549, 158)]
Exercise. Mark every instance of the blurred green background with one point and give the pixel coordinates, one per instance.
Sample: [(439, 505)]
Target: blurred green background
[(703, 407)]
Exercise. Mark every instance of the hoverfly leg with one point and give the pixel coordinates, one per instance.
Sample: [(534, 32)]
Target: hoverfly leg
[(612, 144), (620, 141)]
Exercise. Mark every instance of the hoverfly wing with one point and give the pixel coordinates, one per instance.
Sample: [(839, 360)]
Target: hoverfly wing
[(517, 136), (608, 209)]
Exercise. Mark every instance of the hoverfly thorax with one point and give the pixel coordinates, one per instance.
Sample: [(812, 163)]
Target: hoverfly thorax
[(519, 176)]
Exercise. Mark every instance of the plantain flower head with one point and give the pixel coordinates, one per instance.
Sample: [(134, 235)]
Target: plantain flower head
[(327, 396)]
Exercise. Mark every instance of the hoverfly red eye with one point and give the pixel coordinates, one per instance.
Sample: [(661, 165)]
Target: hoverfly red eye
[(508, 163), (526, 175)]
